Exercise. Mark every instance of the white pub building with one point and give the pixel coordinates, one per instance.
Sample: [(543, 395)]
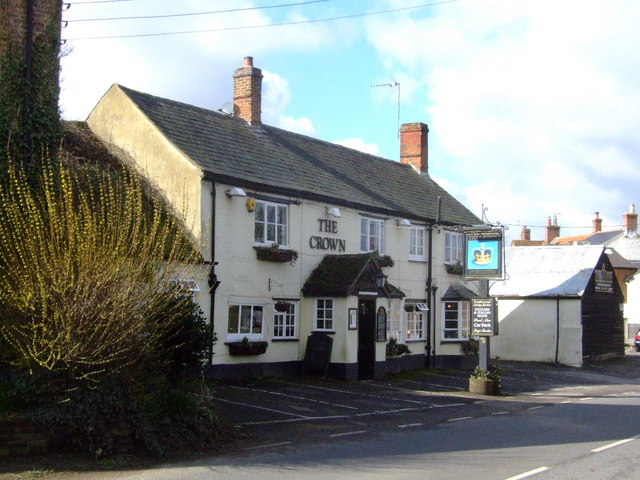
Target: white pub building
[(317, 255)]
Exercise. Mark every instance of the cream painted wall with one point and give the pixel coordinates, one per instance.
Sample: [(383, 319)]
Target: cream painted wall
[(527, 331), (118, 122), (632, 307)]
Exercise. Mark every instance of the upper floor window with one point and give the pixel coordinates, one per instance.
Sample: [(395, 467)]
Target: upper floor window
[(372, 235), (324, 314), (453, 247), (245, 321), (456, 320), (284, 322), (271, 223), (417, 250)]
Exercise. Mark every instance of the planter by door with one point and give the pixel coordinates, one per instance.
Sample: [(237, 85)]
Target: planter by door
[(483, 387)]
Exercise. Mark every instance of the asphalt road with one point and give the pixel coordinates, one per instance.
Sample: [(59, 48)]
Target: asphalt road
[(550, 422)]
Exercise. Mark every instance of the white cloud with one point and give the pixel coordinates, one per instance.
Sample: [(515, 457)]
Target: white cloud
[(533, 106), (359, 144)]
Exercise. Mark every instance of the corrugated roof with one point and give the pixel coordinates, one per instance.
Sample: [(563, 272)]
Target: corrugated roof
[(549, 271), (273, 160)]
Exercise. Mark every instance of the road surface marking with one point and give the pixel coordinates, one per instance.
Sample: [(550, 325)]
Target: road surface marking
[(348, 433), (614, 444), (459, 419), (530, 473), (411, 425), (500, 413), (269, 445), (536, 408), (259, 408)]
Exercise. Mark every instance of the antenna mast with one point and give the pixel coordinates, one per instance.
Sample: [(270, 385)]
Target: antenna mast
[(392, 85)]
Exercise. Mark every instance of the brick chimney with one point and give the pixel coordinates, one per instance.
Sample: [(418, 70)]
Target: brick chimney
[(597, 223), (414, 146), (247, 92), (552, 230), (525, 233), (630, 220)]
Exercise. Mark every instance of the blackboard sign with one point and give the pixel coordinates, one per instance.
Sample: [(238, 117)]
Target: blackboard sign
[(317, 354), (482, 317), (381, 323)]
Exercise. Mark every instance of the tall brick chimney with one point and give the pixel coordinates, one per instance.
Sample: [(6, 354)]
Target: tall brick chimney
[(630, 220), (247, 92), (552, 230), (525, 233), (597, 223), (414, 146)]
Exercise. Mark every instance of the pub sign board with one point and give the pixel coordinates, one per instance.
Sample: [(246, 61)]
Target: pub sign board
[(483, 317), (483, 254)]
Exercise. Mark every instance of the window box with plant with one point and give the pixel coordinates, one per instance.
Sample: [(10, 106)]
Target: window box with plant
[(247, 347), (275, 254)]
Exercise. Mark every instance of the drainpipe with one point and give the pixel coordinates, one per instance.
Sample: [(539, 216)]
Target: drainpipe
[(557, 327), (213, 278), (429, 284)]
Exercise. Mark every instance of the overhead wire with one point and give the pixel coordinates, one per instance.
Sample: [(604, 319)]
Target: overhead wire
[(269, 25), (193, 14)]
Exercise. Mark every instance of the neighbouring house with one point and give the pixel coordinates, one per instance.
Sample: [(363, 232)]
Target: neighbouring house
[(318, 254), (558, 304)]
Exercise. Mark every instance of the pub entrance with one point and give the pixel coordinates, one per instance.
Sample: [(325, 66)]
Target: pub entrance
[(366, 338)]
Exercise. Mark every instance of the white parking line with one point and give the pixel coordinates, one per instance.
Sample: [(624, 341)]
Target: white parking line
[(411, 425), (530, 473), (268, 445), (459, 419), (348, 433), (536, 408), (297, 397), (381, 397), (258, 407), (615, 444)]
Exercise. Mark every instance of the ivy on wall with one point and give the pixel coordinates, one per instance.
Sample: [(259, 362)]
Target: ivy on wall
[(29, 135)]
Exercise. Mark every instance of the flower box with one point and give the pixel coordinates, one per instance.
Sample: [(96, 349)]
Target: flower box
[(275, 254), (247, 348)]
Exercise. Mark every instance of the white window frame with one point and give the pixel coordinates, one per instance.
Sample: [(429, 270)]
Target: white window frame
[(253, 333), (453, 247), (285, 324), (324, 316), (415, 325), (280, 234), (462, 320), (417, 244), (372, 235)]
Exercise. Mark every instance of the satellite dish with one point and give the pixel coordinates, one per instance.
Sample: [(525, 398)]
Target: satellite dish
[(226, 108)]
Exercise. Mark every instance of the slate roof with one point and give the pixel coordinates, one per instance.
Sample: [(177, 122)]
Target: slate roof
[(549, 271), (629, 248), (269, 159), (458, 292), (345, 275), (593, 238)]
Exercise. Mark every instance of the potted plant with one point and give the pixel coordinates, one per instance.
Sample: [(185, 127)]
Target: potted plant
[(247, 347), (409, 307), (394, 351), (454, 268), (470, 346), (485, 382), (281, 306)]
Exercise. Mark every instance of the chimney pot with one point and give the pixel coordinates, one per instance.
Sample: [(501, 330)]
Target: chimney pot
[(247, 92), (414, 146), (552, 230), (630, 220), (597, 223)]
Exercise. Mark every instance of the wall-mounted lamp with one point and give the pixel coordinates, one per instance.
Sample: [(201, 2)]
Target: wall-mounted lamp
[(333, 211), (235, 192), (381, 280), (403, 222)]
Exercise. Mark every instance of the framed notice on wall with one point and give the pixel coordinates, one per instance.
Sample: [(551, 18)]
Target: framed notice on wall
[(353, 319), (483, 250)]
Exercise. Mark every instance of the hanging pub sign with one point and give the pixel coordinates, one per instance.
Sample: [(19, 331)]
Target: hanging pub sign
[(483, 317), (483, 253)]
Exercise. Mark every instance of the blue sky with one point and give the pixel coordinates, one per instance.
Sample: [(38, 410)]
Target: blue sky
[(533, 106)]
